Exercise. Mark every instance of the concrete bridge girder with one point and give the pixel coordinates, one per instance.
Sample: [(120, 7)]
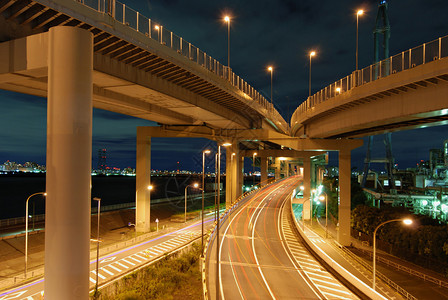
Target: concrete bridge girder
[(117, 87), (387, 104), (344, 146)]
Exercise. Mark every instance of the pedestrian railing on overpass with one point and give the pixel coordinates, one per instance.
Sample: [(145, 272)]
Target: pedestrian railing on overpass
[(408, 59), (135, 20)]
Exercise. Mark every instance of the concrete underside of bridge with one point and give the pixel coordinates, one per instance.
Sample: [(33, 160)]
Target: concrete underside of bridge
[(413, 98), (298, 148), (117, 87)]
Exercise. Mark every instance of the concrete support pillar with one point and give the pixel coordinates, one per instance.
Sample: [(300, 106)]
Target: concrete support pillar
[(232, 173), (313, 175), (263, 170), (307, 186), (240, 178), (142, 181), (69, 163), (277, 168), (345, 197)]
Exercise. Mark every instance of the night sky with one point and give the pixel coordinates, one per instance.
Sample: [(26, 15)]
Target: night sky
[(263, 32)]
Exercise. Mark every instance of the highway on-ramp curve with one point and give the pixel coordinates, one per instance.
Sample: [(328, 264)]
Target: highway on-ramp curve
[(258, 262)]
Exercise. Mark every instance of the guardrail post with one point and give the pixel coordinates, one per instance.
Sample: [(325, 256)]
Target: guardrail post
[(161, 34), (124, 13), (440, 48), (424, 53)]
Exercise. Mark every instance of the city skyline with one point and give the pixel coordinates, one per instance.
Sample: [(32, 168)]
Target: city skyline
[(280, 35)]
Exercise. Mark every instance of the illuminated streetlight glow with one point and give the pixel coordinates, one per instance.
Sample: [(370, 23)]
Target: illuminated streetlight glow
[(405, 221), (227, 20), (203, 188), (157, 27), (359, 13), (150, 187), (312, 53), (195, 185), (271, 69), (338, 90), (26, 228), (322, 198), (253, 168), (218, 163)]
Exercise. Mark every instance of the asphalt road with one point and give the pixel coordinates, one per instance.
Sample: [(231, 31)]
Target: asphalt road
[(256, 262), (120, 263)]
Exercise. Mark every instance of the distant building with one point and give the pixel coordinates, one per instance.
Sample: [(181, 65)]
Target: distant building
[(102, 160)]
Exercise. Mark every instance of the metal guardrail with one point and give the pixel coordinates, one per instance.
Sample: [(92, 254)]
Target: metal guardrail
[(410, 271), (408, 59), (383, 277), (152, 30), (41, 217)]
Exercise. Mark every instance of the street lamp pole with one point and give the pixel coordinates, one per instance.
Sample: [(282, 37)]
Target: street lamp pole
[(157, 27), (253, 169), (195, 185), (326, 212), (271, 69), (227, 19), (406, 222), (358, 13), (26, 228), (312, 53), (203, 188), (97, 243), (217, 218)]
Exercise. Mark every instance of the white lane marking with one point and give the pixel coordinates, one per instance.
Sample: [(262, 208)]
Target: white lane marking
[(332, 296), (107, 260), (141, 257), (134, 259), (107, 271), (116, 269), (172, 244), (281, 228), (253, 243), (128, 262), (234, 276), (92, 280), (124, 266), (99, 275), (332, 289)]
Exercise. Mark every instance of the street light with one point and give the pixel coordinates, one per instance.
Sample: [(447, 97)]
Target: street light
[(26, 228), (358, 13), (405, 221), (253, 169), (97, 242), (312, 53), (157, 27), (217, 216), (321, 198), (227, 20), (195, 185), (270, 69), (203, 188)]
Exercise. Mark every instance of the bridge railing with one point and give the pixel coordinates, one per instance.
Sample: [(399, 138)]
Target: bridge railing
[(129, 17), (408, 59)]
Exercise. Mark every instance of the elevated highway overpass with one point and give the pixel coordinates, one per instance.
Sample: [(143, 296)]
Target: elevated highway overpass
[(139, 70), (405, 91)]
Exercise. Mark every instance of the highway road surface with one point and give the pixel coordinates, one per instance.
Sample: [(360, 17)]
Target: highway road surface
[(120, 263), (261, 257)]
